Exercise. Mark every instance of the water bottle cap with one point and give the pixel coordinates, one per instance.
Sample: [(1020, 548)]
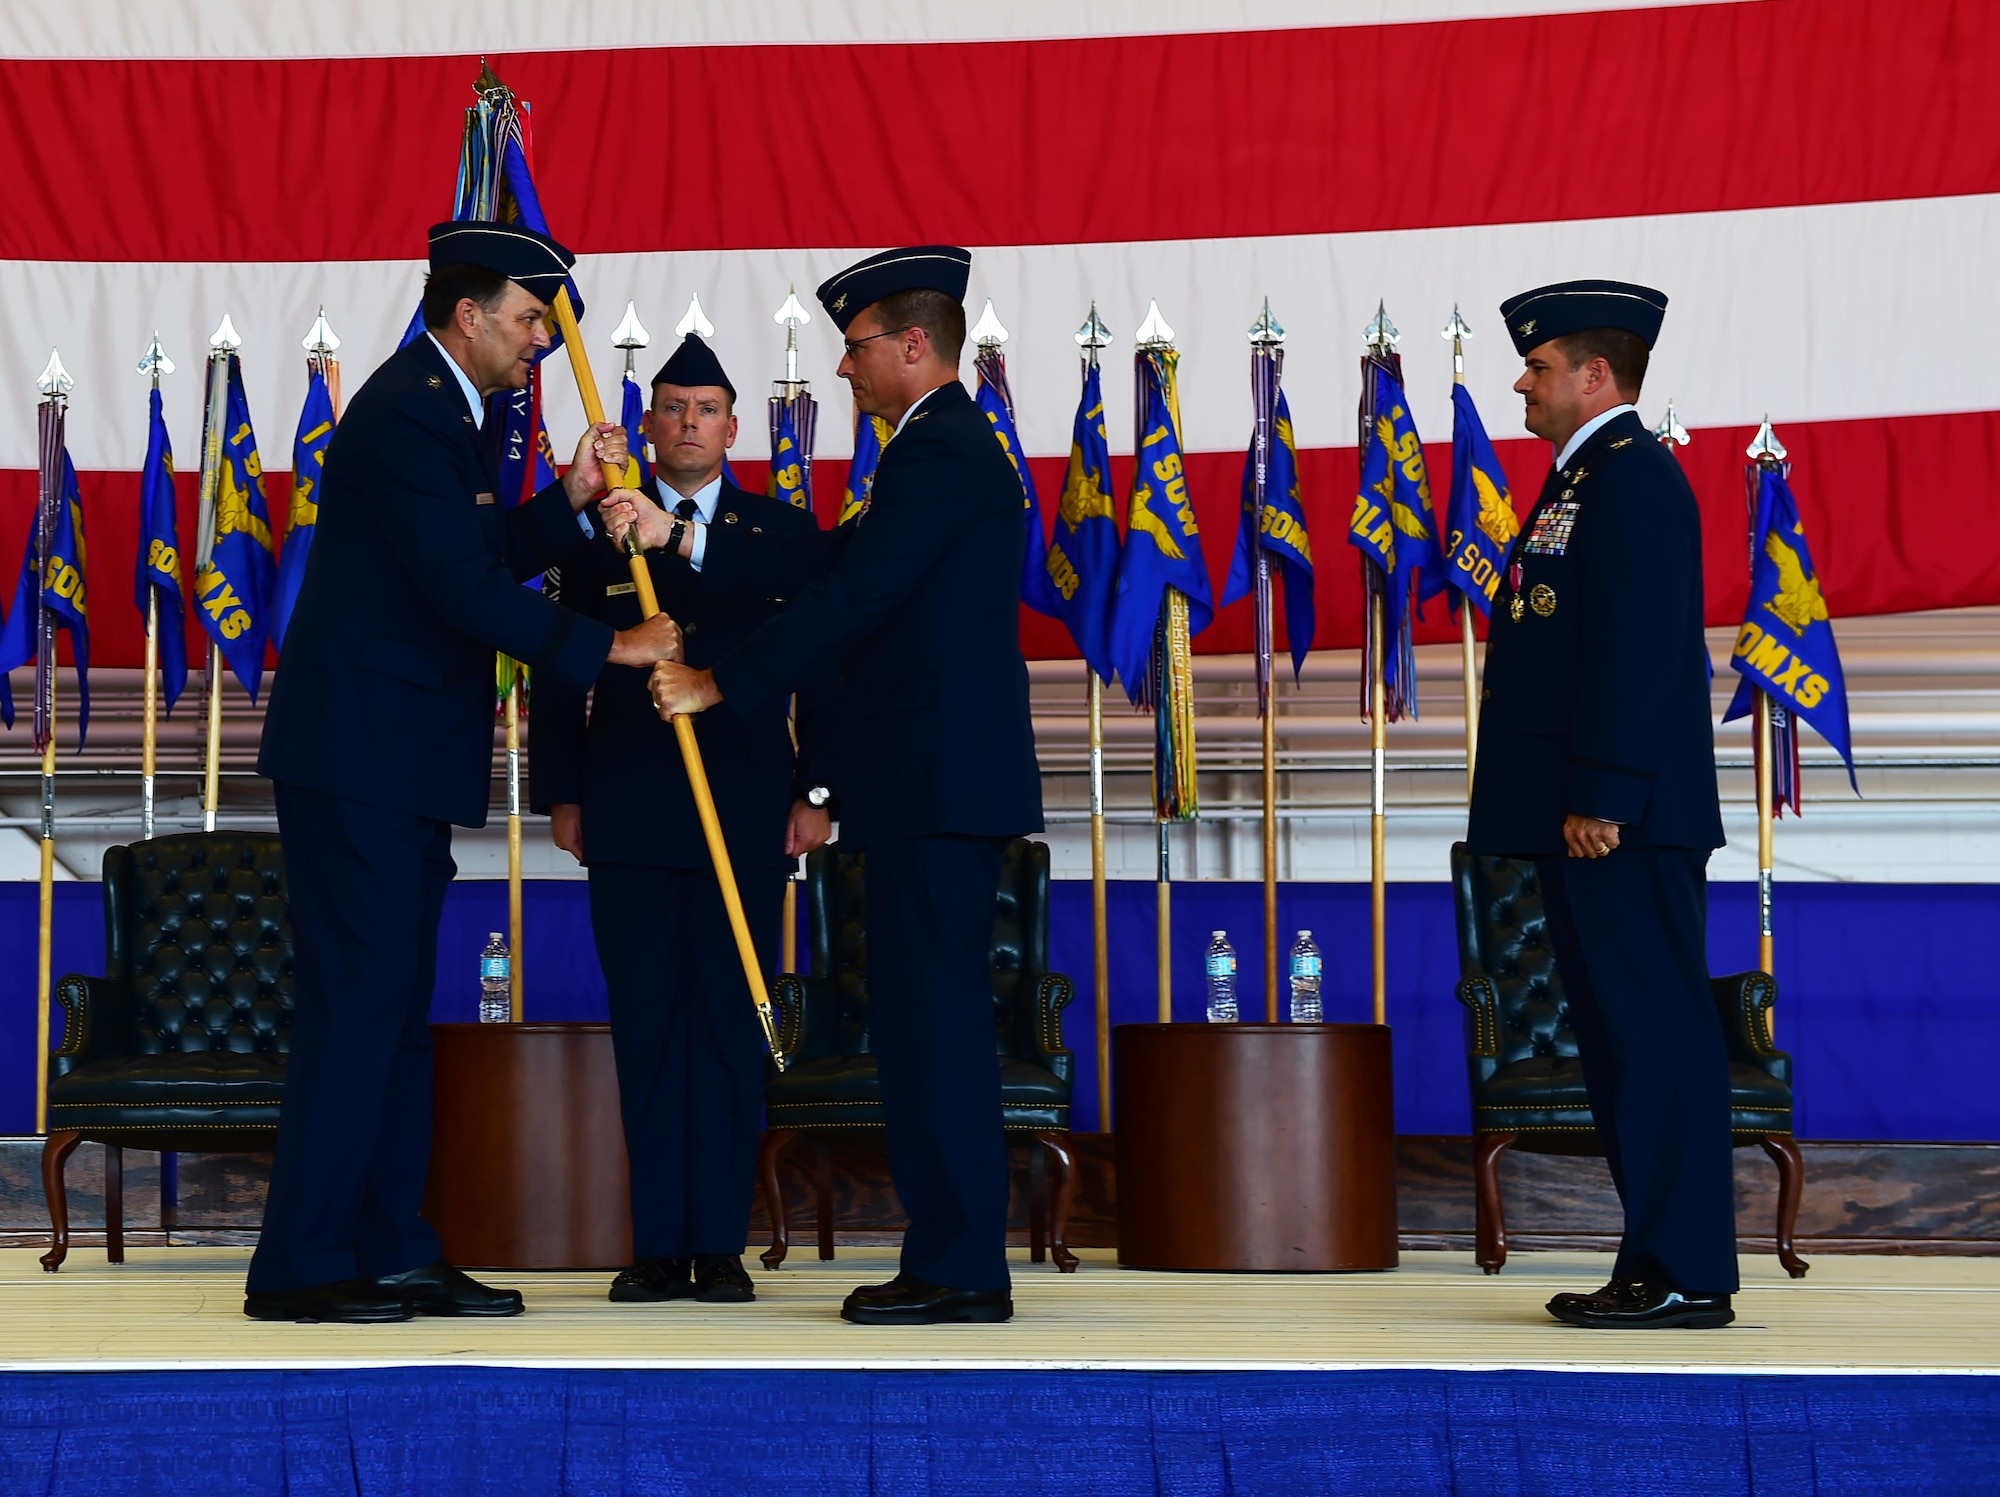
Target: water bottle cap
[(1221, 936), (494, 936), (1305, 935)]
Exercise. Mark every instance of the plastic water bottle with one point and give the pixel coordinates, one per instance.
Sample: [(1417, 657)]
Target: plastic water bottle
[(1221, 967), (496, 972), (1305, 980)]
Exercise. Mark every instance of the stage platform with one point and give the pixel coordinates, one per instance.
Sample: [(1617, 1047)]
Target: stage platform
[(1875, 1373)]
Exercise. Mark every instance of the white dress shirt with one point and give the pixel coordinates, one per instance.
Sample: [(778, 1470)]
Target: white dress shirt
[(464, 382)]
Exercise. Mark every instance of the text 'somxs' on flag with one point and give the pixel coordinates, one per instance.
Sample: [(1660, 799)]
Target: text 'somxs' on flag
[(232, 592)]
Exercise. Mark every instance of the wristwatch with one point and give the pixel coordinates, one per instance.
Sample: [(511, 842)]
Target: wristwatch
[(818, 796), (674, 536)]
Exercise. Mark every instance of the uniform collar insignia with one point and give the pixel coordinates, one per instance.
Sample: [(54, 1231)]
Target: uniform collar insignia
[(1579, 475), (435, 383)]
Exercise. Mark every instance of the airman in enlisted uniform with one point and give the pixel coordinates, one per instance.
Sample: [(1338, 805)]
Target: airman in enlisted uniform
[(938, 768), (1597, 760), (379, 739), (690, 1051)]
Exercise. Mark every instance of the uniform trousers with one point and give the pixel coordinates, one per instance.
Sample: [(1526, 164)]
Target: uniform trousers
[(367, 888), (930, 1021), (1629, 933), (689, 1048)]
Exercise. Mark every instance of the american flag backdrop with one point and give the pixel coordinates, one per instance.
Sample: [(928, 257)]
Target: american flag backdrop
[(1814, 183)]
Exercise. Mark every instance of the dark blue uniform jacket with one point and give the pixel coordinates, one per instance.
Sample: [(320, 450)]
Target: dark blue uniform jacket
[(385, 693), (1596, 693), (921, 610), (620, 761)]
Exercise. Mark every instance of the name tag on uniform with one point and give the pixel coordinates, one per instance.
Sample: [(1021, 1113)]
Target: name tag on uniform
[(484, 499), (620, 589), (1550, 537)]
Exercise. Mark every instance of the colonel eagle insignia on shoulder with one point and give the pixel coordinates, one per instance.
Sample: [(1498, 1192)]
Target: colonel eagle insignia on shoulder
[(1798, 604)]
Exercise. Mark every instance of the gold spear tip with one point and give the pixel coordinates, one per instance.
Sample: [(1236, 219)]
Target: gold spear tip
[(156, 362), (1265, 331), (791, 314), (1381, 332), (1670, 432), (320, 339), (1458, 329), (630, 332), (1766, 448), (1093, 333), (226, 338), (987, 333), (55, 380), (694, 320), (488, 82), (1154, 332)]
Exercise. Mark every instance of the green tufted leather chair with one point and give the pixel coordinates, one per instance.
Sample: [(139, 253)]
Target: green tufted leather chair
[(181, 1045), (830, 1085), (1527, 1083)]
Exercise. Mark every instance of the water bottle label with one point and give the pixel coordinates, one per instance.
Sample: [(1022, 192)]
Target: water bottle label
[(1221, 964), (1305, 966), (492, 966)]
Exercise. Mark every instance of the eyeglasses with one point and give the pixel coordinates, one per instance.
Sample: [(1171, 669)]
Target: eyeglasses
[(853, 343)]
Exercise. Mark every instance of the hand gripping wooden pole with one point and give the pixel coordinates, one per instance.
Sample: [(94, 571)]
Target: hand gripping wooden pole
[(649, 605)]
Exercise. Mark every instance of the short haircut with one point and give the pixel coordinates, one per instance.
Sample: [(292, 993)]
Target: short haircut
[(728, 400), (1625, 352), (448, 285), (940, 316)]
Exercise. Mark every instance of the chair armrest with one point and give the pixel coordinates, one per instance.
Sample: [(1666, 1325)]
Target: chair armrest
[(95, 1011), (1053, 993), (1482, 998), (1744, 1001), (808, 1012)]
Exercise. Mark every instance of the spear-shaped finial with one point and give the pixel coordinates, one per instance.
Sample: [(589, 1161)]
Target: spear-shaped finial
[(987, 333), (1154, 332), (226, 339), (1381, 332), (694, 320), (1670, 432), (156, 362), (630, 332), (488, 81), (320, 340), (1265, 331), (55, 381), (1093, 337), (791, 316), (1457, 331), (1766, 448)]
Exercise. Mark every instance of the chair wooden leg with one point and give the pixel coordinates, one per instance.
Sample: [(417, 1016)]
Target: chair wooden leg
[(114, 1203), (823, 1193), (55, 1154), (1058, 1145), (769, 1152), (1784, 1152), (1489, 1216), (1035, 1186)]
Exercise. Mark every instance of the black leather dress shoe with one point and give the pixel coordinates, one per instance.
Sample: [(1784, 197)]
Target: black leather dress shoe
[(1647, 1307), (908, 1300), (353, 1302), (1610, 1294), (722, 1281), (440, 1289), (651, 1280)]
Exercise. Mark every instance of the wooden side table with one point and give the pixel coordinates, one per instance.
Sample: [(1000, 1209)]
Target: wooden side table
[(527, 1151), (1259, 1147)]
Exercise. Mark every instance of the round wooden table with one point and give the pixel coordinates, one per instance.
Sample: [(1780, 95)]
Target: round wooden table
[(1258, 1147), (527, 1152)]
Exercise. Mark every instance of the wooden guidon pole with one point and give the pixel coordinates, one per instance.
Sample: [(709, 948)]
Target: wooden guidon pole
[(649, 605)]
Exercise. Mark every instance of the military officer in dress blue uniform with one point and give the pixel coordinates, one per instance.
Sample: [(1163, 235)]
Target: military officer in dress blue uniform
[(1597, 760), (689, 1048), (379, 739), (937, 761)]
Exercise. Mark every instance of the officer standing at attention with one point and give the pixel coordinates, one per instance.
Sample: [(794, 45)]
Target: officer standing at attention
[(1597, 760), (379, 738), (938, 767), (690, 1051)]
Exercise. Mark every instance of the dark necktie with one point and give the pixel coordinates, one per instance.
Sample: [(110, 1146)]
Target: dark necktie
[(686, 509)]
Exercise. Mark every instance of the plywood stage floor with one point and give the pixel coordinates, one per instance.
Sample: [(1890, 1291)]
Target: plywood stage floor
[(170, 1309)]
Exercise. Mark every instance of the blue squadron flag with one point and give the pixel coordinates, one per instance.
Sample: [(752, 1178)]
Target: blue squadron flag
[(871, 435), (1082, 559), (308, 460), (1480, 523), (1281, 530), (997, 401), (788, 479), (1785, 647), (631, 413), (233, 591), (1162, 541), (1395, 530), (61, 591), (158, 573)]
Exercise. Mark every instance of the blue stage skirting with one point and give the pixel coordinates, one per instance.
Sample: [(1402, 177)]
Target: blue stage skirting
[(490, 1431), (1890, 1002)]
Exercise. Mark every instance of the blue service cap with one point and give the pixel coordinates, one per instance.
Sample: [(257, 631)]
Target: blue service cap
[(694, 365), (1568, 307), (917, 267), (518, 253)]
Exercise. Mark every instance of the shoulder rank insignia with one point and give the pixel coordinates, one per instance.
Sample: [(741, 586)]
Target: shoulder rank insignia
[(1621, 442), (435, 383)]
